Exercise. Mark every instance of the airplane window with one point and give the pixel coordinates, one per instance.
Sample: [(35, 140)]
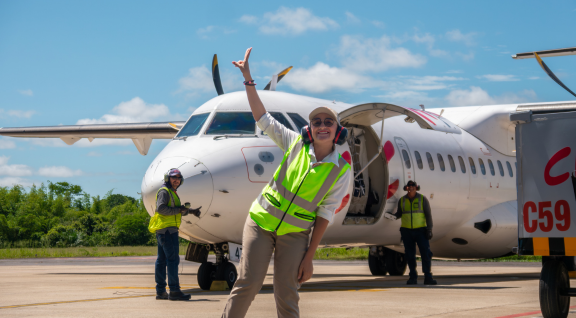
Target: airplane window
[(193, 126), (441, 162), (482, 167), (491, 167), (418, 160), (462, 165), (500, 168), (430, 161), (472, 165), (406, 159), (509, 169), (298, 120), (452, 165), (232, 123), (282, 119)]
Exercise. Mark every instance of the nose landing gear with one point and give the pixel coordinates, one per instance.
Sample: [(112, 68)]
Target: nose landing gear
[(382, 260), (221, 270)]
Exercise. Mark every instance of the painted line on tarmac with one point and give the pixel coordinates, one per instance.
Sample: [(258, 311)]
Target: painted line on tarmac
[(73, 301), (526, 314)]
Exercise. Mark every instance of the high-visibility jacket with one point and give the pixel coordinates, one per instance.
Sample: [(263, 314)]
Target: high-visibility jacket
[(289, 202), (159, 221), (413, 216)]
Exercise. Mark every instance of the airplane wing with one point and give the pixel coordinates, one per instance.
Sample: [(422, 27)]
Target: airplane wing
[(371, 113), (140, 133)]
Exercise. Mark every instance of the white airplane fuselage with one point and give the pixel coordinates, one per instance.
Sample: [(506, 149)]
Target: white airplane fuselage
[(224, 175)]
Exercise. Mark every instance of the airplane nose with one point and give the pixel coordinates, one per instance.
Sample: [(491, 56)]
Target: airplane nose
[(197, 187)]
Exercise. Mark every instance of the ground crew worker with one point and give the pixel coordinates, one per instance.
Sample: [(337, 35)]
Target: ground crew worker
[(306, 189), (416, 228), (165, 224)]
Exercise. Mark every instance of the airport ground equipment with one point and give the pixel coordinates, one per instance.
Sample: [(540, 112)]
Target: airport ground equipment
[(546, 183)]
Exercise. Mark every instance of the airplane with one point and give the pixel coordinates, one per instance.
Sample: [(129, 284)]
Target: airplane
[(462, 157)]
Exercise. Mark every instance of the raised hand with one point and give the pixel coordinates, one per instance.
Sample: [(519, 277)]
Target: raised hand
[(243, 65)]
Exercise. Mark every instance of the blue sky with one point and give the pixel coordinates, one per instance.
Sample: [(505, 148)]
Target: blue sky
[(70, 62)]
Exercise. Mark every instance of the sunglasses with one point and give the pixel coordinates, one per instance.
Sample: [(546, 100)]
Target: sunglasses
[(317, 122)]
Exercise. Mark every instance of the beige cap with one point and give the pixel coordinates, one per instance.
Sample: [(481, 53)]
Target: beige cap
[(326, 110)]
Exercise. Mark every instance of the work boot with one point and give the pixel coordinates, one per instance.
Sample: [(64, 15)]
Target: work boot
[(412, 281), (162, 296), (428, 280), (178, 295)]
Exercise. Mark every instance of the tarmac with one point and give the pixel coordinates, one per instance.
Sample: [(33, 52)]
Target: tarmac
[(124, 287)]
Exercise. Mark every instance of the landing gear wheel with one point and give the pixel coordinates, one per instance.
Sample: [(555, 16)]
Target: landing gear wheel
[(395, 263), (206, 274), (377, 265), (553, 279), (228, 272)]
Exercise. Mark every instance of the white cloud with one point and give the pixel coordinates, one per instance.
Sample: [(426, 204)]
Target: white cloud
[(211, 31), (203, 32), (59, 172), (6, 143), (26, 92), (425, 83), (288, 21), (429, 40), (378, 24), (466, 57), (248, 19), (132, 111), (17, 113), (457, 36), (375, 55), (477, 96), (322, 78), (351, 18), (16, 170), (534, 77), (94, 154), (499, 78), (12, 181), (21, 113), (199, 81)]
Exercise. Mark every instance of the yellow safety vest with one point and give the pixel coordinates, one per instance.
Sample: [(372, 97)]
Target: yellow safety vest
[(413, 216), (159, 221), (289, 202)]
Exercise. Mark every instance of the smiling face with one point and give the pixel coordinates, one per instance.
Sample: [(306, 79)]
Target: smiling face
[(175, 181), (323, 134)]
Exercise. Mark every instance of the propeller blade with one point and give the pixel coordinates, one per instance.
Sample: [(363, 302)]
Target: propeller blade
[(280, 76), (552, 75), (216, 76)]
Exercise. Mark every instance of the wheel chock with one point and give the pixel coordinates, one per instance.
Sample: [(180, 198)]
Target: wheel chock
[(219, 285)]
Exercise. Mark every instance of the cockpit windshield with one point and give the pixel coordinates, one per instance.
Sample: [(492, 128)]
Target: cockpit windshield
[(226, 123), (193, 126)]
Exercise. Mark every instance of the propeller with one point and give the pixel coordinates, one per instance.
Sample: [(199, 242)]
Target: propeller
[(216, 76), (280, 76), (552, 75), (556, 52)]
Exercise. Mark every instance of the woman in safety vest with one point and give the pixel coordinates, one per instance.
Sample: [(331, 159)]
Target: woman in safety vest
[(165, 224), (306, 189)]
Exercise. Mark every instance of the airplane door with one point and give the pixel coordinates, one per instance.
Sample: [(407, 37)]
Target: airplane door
[(407, 163)]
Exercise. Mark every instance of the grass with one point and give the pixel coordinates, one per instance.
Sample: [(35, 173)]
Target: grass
[(9, 253), (108, 251)]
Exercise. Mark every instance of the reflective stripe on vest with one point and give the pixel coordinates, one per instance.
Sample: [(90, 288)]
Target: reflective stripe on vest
[(289, 202), (159, 221), (413, 216)]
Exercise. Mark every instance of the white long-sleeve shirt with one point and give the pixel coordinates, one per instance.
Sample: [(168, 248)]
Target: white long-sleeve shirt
[(284, 137)]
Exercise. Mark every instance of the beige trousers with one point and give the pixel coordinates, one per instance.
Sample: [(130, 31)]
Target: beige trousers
[(257, 247)]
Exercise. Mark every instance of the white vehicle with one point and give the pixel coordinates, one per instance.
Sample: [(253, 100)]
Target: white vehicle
[(463, 158)]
